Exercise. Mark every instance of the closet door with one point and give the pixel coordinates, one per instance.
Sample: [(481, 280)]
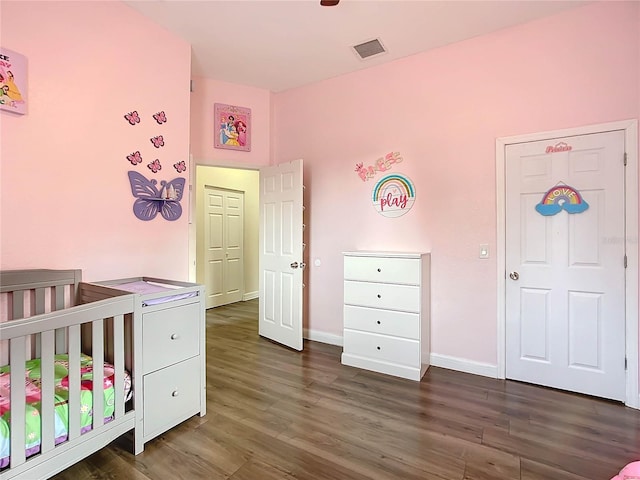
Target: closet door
[(224, 212)]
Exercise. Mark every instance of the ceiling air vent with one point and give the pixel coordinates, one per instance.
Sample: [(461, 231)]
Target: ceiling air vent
[(369, 49)]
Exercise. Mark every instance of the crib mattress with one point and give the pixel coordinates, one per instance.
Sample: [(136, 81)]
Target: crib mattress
[(32, 389), (144, 287)]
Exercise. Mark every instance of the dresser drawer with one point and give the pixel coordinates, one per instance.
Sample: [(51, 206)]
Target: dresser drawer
[(382, 348), (381, 269), (382, 295), (170, 336), (387, 322), (171, 395)]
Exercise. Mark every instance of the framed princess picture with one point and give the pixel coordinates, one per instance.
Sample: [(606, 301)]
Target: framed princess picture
[(13, 81), (232, 127)]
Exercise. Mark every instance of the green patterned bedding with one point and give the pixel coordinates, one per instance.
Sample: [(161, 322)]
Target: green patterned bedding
[(32, 394)]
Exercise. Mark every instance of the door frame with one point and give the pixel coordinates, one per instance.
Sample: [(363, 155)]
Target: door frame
[(194, 212), (630, 128)]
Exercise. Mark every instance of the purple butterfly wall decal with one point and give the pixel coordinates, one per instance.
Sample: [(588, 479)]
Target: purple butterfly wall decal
[(149, 200), (132, 117), (160, 117), (155, 166), (135, 158), (157, 141), (180, 166)]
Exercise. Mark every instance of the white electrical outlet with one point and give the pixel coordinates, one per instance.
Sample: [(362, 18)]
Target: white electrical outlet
[(484, 250)]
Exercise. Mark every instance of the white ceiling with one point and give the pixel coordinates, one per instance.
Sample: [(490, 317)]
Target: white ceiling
[(283, 44)]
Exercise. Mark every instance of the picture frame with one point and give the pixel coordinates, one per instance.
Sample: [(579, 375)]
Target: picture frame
[(13, 81), (232, 127)]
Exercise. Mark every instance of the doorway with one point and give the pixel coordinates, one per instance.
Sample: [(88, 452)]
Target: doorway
[(221, 181), (567, 305)]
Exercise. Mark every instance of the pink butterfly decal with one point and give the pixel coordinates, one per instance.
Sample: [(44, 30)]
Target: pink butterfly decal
[(135, 158), (151, 199), (157, 141), (160, 117), (180, 166), (132, 117), (155, 166)]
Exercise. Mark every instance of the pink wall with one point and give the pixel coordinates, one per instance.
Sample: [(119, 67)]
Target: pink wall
[(206, 93), (65, 196), (66, 199), (443, 111)]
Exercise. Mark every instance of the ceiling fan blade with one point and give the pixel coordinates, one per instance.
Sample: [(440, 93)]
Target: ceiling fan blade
[(329, 3)]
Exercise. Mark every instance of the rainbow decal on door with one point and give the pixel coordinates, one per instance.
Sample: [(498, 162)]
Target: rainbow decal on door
[(561, 197), (393, 195)]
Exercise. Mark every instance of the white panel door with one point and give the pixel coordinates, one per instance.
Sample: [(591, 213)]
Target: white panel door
[(565, 290), (281, 262), (223, 240)]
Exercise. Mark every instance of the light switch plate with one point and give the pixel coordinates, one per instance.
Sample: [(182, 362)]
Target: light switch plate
[(484, 250)]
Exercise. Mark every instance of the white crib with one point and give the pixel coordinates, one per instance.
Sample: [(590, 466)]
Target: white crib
[(41, 320)]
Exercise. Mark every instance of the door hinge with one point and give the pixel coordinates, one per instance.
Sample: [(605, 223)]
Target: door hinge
[(625, 159), (625, 363), (625, 261)]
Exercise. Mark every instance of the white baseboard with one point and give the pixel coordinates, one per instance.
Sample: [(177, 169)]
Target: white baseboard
[(464, 365), (437, 360), (250, 296), (323, 337)]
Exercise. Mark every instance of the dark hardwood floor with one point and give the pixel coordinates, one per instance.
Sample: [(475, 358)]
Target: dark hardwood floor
[(274, 413)]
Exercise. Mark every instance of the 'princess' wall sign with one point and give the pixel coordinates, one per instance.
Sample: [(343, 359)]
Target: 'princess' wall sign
[(382, 165)]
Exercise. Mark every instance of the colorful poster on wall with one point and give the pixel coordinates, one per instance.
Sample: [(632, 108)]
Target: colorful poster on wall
[(13, 81), (393, 195), (232, 127)]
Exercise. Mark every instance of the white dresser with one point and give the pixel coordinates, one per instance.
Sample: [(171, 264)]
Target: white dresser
[(386, 312)]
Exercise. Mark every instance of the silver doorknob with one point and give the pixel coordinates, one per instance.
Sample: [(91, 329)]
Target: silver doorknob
[(294, 265), (514, 275), (302, 265)]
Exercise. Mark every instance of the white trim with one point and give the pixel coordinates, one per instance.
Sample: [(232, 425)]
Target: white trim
[(464, 365), (631, 248), (323, 337), (250, 295), (630, 128)]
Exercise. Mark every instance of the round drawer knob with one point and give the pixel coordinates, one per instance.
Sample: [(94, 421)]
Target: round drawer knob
[(379, 296), (174, 393), (378, 322), (174, 336), (379, 270)]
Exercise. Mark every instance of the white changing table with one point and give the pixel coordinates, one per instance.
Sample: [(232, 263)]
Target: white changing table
[(169, 374)]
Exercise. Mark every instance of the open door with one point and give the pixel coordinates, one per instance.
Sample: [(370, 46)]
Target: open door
[(281, 262)]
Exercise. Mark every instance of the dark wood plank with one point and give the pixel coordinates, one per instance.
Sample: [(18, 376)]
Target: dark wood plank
[(274, 413)]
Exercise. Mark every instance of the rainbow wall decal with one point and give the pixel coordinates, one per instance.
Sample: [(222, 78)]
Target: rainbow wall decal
[(393, 195), (561, 197)]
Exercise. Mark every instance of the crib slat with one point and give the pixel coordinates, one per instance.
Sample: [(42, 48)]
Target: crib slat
[(17, 358), (37, 307), (97, 352), (48, 388), (39, 301), (61, 343), (74, 381), (18, 304), (59, 297), (118, 363)]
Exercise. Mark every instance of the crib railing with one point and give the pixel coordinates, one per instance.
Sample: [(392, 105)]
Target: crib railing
[(74, 322), (25, 293)]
